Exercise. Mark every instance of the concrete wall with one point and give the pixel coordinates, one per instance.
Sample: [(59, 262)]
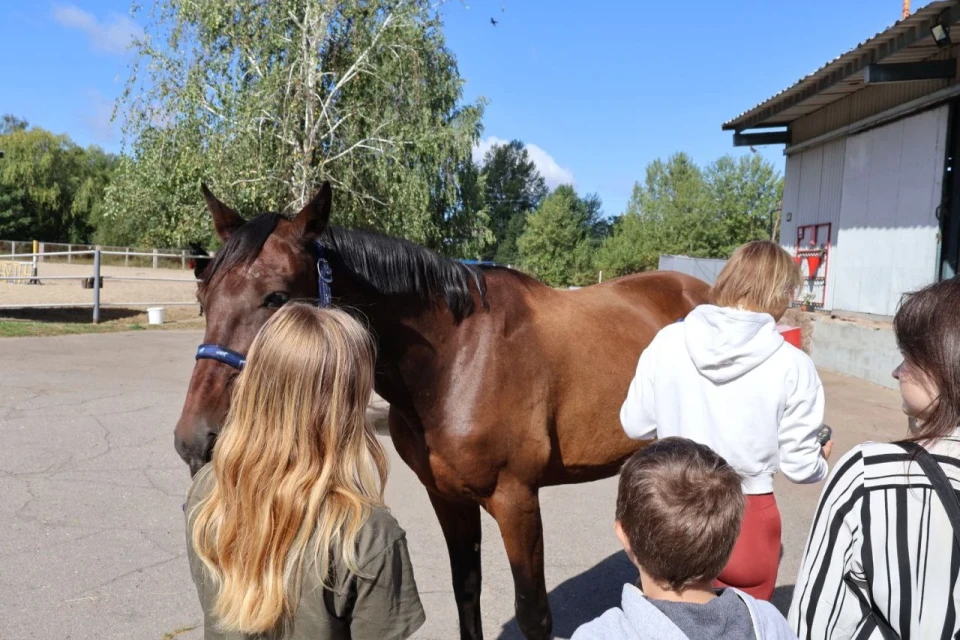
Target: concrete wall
[(860, 350)]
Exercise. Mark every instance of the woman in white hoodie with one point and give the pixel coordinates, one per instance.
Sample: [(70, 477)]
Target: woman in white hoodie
[(726, 378)]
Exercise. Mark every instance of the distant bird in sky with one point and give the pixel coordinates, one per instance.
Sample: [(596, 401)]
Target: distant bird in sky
[(493, 22)]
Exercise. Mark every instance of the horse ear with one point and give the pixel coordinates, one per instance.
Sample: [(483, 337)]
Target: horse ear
[(314, 218), (225, 219)]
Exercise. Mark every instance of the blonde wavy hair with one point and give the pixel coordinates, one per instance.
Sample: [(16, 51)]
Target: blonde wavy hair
[(760, 276), (296, 460)]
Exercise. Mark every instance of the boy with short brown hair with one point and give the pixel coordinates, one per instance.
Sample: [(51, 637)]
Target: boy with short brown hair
[(679, 509)]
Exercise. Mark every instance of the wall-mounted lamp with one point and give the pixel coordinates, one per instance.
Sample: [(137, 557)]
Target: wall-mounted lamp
[(941, 34)]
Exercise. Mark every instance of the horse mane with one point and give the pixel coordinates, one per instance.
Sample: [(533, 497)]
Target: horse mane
[(393, 266), (388, 265)]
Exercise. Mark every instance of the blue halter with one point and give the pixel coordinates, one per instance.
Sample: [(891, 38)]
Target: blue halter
[(236, 360)]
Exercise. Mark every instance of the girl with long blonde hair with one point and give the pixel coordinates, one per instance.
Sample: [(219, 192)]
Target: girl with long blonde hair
[(288, 536)]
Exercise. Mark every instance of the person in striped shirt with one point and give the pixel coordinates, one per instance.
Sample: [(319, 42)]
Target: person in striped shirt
[(882, 560)]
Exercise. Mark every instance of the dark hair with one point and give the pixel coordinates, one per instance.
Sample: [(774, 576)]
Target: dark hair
[(393, 266), (927, 327), (680, 506), (390, 266)]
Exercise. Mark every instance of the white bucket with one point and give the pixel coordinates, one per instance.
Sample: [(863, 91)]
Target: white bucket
[(155, 315)]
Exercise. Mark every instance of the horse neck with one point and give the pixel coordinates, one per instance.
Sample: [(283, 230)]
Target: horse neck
[(404, 329)]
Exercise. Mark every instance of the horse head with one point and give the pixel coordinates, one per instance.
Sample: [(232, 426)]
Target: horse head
[(262, 263)]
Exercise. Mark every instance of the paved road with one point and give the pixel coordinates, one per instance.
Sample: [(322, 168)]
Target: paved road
[(91, 538)]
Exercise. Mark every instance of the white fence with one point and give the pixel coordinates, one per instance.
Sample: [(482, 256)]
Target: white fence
[(707, 269), (68, 253), (97, 256)]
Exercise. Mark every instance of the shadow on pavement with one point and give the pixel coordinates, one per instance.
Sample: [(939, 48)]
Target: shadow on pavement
[(584, 597)]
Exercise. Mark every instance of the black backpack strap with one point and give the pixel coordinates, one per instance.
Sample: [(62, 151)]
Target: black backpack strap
[(939, 482)]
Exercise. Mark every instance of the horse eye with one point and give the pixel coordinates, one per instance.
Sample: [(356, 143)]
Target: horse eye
[(276, 299)]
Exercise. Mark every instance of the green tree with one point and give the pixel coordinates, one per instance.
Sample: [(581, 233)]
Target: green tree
[(557, 245), (682, 209), (10, 123), (745, 192), (629, 248), (264, 100), (49, 187), (514, 188), (467, 218)]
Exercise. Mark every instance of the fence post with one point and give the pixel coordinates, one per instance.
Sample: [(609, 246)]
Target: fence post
[(155, 259), (13, 247), (36, 260), (69, 253), (183, 258), (126, 257), (96, 285), (41, 252)]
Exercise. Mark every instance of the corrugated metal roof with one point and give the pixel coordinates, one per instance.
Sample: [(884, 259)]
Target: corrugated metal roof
[(907, 40)]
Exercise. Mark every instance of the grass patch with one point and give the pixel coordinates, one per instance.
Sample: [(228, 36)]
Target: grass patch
[(32, 328), (24, 323)]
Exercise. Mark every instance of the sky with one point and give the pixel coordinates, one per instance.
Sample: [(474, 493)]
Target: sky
[(596, 90)]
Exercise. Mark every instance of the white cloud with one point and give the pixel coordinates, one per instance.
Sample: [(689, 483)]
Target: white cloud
[(553, 174), (112, 35)]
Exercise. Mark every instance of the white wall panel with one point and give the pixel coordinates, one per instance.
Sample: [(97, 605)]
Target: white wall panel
[(888, 228)]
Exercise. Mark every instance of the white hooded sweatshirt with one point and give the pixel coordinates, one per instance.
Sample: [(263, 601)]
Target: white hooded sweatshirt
[(727, 379)]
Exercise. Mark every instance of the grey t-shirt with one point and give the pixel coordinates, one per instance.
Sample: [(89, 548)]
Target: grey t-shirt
[(723, 618), (381, 603)]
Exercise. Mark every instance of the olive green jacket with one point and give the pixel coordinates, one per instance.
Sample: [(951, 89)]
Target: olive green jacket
[(381, 603)]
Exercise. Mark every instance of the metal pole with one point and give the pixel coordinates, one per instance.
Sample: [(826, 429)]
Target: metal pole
[(96, 286)]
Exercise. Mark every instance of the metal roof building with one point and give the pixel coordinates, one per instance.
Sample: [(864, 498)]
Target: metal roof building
[(870, 137)]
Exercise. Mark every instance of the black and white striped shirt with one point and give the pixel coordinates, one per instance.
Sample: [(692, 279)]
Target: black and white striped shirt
[(881, 539)]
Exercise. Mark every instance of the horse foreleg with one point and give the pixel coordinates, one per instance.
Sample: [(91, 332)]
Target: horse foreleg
[(461, 529), (517, 511)]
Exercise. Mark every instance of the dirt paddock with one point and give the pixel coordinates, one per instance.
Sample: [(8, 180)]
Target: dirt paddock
[(113, 291)]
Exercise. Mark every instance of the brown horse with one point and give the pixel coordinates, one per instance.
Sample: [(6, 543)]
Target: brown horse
[(498, 385)]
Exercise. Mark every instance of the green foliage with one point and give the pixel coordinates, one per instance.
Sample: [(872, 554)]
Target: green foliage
[(558, 245), (465, 219), (514, 188), (50, 188), (506, 251), (681, 209), (745, 192), (265, 100), (10, 123)]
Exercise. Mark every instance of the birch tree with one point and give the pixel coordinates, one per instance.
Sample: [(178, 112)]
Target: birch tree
[(265, 99)]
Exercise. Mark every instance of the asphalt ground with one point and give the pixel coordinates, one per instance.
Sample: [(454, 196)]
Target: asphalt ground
[(91, 526)]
